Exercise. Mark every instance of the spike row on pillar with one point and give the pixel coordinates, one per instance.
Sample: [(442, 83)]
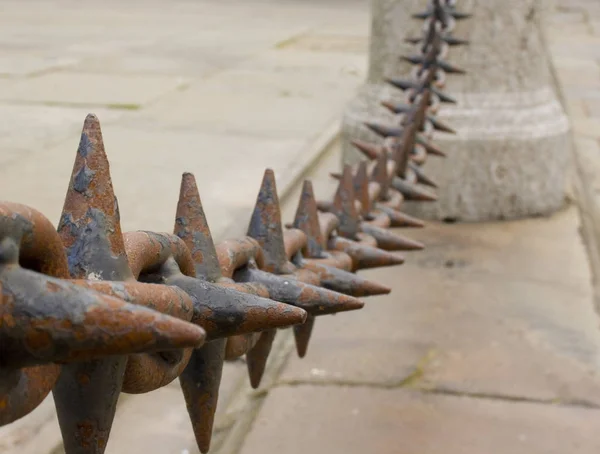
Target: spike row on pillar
[(369, 197), (405, 147)]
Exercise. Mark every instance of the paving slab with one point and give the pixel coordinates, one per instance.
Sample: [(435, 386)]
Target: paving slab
[(158, 422), (495, 309), (257, 103), (29, 129), (324, 420), (69, 88), (146, 168)]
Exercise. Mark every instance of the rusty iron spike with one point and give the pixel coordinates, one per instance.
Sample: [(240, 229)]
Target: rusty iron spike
[(430, 59), (432, 10), (315, 300), (392, 131), (99, 325), (450, 40), (350, 224), (405, 151), (435, 30), (424, 79), (384, 130), (407, 84), (247, 251), (365, 256), (148, 372), (200, 386), (318, 225), (265, 226), (343, 281), (316, 228), (406, 108), (361, 189), (421, 177), (344, 207), (103, 211), (439, 125), (374, 151), (396, 217), (36, 245), (205, 366), (256, 357), (302, 334), (433, 36), (221, 311), (192, 227), (86, 393), (370, 150), (426, 63), (390, 241), (400, 219), (419, 115), (398, 108), (385, 239), (431, 148), (307, 220), (411, 191), (379, 174), (332, 278)]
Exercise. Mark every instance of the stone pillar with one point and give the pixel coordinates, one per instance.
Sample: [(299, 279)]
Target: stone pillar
[(510, 158)]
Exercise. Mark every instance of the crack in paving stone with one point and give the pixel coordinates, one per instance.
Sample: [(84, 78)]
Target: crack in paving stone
[(406, 383), (347, 383), (510, 398)]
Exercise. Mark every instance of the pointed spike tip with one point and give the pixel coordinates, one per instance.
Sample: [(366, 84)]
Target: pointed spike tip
[(266, 226), (302, 335), (192, 227), (256, 358), (391, 241), (345, 282), (368, 149), (307, 220)]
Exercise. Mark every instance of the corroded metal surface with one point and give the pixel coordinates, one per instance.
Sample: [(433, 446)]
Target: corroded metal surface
[(215, 265), (49, 319), (86, 393)]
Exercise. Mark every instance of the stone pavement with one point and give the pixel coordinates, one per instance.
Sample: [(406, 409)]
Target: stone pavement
[(219, 88), (489, 342)]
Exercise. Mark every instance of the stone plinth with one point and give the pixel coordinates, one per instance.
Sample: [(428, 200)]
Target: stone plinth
[(510, 158)]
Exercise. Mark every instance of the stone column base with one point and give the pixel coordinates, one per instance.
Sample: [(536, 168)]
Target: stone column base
[(509, 160)]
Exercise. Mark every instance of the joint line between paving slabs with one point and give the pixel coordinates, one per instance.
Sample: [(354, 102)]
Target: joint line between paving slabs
[(509, 398), (406, 384)]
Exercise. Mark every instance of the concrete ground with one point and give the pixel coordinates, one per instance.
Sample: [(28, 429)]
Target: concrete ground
[(489, 342), (219, 88)]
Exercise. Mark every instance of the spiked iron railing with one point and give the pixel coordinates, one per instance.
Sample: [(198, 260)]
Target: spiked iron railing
[(89, 312)]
